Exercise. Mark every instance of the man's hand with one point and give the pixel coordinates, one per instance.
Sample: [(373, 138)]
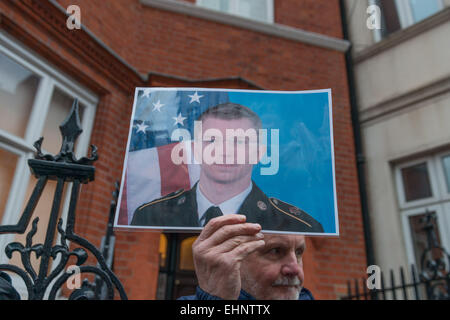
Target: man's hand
[(219, 250)]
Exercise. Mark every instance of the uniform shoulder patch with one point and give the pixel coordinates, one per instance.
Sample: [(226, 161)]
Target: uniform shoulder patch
[(166, 197), (179, 191), (288, 209)]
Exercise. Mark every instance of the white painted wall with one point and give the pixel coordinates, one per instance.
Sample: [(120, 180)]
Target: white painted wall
[(408, 66), (422, 128), (391, 73)]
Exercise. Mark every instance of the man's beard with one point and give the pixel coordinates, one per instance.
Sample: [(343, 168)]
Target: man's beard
[(256, 289), (293, 282)]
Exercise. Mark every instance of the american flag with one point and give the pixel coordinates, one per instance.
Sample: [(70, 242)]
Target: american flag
[(149, 172)]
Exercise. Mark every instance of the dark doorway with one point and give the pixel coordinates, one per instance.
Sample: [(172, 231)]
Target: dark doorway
[(176, 266)]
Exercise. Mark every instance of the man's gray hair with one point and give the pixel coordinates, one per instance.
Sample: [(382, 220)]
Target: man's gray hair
[(229, 111)]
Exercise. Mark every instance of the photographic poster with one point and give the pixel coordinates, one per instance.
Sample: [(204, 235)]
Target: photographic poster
[(196, 153)]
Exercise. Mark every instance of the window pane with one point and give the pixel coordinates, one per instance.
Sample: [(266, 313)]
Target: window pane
[(220, 5), (416, 182), (8, 162), (162, 250), (254, 9), (186, 258), (42, 210), (446, 165), (390, 19), (419, 237), (18, 88), (422, 9), (59, 109)]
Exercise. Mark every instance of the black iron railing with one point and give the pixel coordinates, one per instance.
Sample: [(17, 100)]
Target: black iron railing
[(50, 276), (430, 282)]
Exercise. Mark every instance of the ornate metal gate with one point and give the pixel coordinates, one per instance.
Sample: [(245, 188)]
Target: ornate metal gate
[(64, 168)]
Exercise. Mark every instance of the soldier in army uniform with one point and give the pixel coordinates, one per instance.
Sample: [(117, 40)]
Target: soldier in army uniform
[(225, 188)]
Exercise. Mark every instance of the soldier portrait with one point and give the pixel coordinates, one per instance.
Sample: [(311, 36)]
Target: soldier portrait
[(222, 151)]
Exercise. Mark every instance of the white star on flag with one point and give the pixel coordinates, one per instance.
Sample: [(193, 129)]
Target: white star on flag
[(158, 106), (141, 127), (194, 97), (179, 120), (146, 93)]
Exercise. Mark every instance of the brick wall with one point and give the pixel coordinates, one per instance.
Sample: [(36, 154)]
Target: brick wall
[(161, 42), (311, 15)]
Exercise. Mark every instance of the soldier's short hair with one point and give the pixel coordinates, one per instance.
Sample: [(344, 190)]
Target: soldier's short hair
[(230, 111)]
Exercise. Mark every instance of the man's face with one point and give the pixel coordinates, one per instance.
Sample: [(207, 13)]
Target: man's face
[(231, 168), (276, 271)]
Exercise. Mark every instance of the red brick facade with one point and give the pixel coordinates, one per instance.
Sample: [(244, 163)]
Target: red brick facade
[(172, 49)]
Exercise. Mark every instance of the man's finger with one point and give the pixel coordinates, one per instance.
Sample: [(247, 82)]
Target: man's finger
[(214, 224), (244, 249), (230, 231), (233, 242)]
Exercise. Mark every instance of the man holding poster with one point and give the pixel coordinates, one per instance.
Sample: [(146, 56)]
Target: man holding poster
[(228, 142)]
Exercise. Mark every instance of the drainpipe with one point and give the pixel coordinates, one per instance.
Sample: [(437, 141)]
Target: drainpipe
[(360, 159)]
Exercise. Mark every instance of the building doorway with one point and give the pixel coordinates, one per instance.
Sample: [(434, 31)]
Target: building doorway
[(176, 266)]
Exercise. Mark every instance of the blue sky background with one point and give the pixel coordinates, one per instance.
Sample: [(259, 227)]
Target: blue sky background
[(305, 176)]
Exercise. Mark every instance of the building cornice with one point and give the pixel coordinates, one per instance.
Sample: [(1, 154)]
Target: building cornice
[(403, 35), (156, 78), (272, 29), (393, 106)]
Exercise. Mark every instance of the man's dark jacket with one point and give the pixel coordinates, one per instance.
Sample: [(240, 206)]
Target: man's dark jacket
[(305, 294), (179, 209), (7, 291)]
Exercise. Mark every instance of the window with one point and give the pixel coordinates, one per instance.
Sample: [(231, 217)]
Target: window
[(446, 166), (419, 236), (400, 14), (186, 257), (18, 88), (422, 9), (416, 182), (162, 250), (176, 276), (261, 10), (423, 187), (34, 99)]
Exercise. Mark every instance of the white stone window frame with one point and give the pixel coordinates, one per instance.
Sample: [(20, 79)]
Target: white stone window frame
[(50, 79), (405, 15), (431, 168), (442, 211), (439, 202), (234, 9), (444, 190)]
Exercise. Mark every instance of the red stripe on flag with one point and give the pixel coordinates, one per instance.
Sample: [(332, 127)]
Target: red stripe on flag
[(123, 212), (173, 176)]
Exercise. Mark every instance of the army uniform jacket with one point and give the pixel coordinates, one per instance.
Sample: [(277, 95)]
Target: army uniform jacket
[(179, 209)]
